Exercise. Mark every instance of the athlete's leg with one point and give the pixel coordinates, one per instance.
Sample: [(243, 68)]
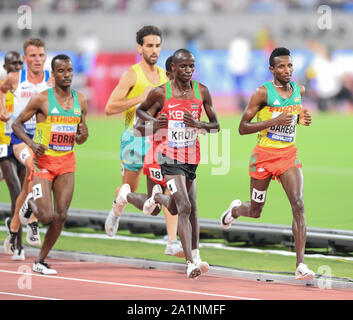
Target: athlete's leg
[(194, 220), (292, 181), (132, 178), (253, 208), (24, 155), (14, 184), (171, 221), (179, 192), (63, 187)]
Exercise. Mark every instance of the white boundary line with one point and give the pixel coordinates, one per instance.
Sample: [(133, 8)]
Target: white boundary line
[(27, 296), (131, 285)]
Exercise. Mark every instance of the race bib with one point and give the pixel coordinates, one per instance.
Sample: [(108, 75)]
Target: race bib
[(156, 174), (62, 137), (3, 150), (180, 135), (282, 133)]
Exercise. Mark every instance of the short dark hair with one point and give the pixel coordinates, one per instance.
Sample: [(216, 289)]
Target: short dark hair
[(179, 52), (168, 64), (59, 57), (277, 53), (147, 31)]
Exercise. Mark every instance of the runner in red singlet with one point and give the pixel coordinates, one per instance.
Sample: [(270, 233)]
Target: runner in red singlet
[(179, 104)]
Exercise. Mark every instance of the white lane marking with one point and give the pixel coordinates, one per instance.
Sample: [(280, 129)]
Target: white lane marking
[(132, 285), (27, 296)]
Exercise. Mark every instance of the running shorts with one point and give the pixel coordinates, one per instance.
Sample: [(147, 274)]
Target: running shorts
[(49, 167), (172, 167), (266, 162), (133, 150), (152, 169)]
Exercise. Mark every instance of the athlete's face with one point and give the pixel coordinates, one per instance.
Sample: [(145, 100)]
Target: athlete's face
[(184, 67), (150, 49), (35, 58), (13, 63), (63, 72), (282, 69)]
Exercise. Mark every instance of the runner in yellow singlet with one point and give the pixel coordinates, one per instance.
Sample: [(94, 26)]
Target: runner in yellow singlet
[(278, 107), (131, 90), (61, 122)]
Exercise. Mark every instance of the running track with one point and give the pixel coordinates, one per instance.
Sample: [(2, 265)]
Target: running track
[(102, 281)]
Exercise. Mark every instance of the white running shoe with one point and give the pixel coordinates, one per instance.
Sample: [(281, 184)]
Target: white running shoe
[(203, 265), (304, 273), (111, 224), (150, 204), (43, 268), (18, 255), (227, 218), (174, 249), (120, 201), (33, 236), (26, 211), (193, 271)]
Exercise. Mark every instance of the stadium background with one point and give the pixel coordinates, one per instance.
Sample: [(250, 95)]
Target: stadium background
[(231, 40)]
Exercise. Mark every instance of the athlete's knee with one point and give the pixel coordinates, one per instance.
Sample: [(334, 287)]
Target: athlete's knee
[(184, 208), (61, 215), (298, 206)]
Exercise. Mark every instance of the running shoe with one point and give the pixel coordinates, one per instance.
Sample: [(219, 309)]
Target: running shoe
[(227, 218), (10, 241), (26, 211), (120, 201), (174, 249), (150, 204), (43, 268), (203, 265), (18, 255), (33, 236), (304, 273), (111, 224), (193, 271)]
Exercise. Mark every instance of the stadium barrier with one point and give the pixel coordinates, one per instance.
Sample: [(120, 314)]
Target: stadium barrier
[(251, 234)]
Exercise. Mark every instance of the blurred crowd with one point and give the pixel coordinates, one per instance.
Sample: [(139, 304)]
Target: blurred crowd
[(176, 6)]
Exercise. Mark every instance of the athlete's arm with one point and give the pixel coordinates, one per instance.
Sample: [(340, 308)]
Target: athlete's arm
[(117, 102), (38, 106), (257, 101), (304, 116), (10, 82), (82, 130), (151, 106)]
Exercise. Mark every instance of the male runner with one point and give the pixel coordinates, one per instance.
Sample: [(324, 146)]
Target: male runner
[(179, 104), (278, 107), (26, 84), (12, 169), (61, 121), (155, 182), (131, 90)]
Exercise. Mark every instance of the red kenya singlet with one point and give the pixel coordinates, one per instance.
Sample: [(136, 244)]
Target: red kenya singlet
[(180, 141)]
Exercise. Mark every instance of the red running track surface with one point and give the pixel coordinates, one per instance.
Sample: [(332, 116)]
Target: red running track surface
[(102, 281)]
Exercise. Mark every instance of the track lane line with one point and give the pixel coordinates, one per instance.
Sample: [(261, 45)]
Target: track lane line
[(130, 285)]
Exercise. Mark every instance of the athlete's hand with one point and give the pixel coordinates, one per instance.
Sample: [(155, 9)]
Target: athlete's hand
[(4, 116), (162, 121), (284, 119), (38, 149), (305, 117), (189, 119), (83, 130)]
